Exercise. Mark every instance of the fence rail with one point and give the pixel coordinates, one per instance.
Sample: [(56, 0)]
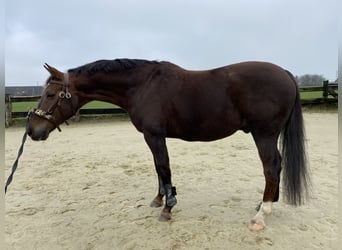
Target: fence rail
[(328, 89), (10, 115), (329, 95)]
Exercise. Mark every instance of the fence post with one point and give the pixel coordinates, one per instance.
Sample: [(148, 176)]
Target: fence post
[(325, 90), (8, 111), (77, 116)]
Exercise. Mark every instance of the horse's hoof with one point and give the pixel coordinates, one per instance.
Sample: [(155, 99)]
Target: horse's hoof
[(256, 226), (165, 216), (156, 203)]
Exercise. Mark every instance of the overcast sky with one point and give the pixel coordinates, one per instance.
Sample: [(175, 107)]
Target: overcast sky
[(299, 35)]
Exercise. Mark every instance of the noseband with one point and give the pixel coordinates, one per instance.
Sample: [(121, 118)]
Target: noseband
[(63, 94)]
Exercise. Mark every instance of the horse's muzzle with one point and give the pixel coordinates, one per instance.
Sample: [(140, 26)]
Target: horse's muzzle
[(40, 124), (39, 133)]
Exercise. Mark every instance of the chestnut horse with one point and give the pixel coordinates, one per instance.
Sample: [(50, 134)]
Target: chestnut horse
[(165, 100)]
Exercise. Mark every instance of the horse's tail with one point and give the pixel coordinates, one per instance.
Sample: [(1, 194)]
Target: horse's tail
[(296, 178)]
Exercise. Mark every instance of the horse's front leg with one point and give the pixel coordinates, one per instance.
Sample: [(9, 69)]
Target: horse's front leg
[(158, 200), (158, 147)]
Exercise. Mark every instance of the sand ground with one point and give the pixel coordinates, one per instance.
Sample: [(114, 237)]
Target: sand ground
[(90, 186)]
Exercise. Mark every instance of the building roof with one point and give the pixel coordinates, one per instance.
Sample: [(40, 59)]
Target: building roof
[(24, 90)]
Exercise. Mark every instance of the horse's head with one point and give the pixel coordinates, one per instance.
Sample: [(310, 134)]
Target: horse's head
[(56, 105)]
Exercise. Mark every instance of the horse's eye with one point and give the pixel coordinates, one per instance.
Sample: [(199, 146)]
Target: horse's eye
[(50, 95)]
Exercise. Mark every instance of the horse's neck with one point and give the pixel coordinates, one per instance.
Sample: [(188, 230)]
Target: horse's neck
[(113, 89)]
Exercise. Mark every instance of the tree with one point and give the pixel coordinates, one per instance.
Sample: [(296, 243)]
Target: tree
[(311, 80)]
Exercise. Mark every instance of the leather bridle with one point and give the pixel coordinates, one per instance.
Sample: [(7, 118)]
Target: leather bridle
[(63, 94)]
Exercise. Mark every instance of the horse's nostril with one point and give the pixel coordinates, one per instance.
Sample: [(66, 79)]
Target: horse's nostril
[(29, 131)]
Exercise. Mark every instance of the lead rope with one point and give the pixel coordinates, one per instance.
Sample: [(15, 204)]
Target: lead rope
[(21, 149)]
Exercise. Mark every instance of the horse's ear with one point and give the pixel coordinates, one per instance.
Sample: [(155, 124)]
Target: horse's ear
[(54, 72)]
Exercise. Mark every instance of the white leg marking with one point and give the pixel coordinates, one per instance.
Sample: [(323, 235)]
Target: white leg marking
[(258, 221), (266, 207)]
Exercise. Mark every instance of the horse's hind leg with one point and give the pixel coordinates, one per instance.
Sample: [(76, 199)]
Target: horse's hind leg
[(271, 160), (158, 147)]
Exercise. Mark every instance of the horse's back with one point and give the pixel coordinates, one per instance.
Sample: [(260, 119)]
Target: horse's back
[(212, 104)]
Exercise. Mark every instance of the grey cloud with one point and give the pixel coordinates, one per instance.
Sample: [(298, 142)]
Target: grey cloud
[(299, 35)]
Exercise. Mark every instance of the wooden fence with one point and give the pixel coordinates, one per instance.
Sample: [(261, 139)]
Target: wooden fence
[(10, 115), (329, 95)]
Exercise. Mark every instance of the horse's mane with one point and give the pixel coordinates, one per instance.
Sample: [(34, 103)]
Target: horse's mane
[(110, 66)]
